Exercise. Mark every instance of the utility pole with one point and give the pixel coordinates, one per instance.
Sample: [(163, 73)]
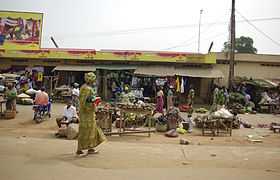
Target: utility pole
[(232, 47), (198, 48)]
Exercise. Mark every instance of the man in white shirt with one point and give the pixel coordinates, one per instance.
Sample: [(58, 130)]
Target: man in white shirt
[(75, 96), (69, 115)]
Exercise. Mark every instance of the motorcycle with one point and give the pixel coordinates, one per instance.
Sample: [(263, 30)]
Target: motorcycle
[(41, 112)]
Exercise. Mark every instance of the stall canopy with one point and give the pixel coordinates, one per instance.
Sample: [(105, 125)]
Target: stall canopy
[(75, 68), (155, 70), (115, 67), (199, 72)]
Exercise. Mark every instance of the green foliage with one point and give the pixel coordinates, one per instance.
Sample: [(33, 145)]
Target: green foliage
[(242, 45)]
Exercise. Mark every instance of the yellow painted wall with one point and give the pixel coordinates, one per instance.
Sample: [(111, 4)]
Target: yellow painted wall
[(254, 70)]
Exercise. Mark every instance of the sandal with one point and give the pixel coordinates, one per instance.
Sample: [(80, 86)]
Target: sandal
[(92, 151), (78, 153)]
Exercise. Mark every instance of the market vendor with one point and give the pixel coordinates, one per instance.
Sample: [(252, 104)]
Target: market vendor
[(215, 100), (215, 96), (226, 95), (265, 98), (170, 97), (160, 101), (75, 96), (69, 115), (191, 95), (11, 95), (127, 96)]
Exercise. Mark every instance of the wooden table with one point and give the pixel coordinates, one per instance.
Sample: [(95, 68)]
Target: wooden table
[(217, 126), (104, 120), (269, 108), (137, 110), (209, 126)]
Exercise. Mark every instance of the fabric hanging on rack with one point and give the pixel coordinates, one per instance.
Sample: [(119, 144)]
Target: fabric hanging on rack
[(186, 84), (177, 84), (182, 86), (134, 81)]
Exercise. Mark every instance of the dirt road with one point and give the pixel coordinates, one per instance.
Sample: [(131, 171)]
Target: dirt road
[(30, 151)]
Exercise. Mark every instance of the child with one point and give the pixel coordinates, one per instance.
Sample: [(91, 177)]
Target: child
[(189, 120)]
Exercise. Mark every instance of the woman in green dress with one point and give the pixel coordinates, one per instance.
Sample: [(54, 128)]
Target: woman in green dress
[(90, 135)]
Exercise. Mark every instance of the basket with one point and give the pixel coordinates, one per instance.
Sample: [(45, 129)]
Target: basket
[(186, 125), (161, 127), (118, 122), (9, 114)]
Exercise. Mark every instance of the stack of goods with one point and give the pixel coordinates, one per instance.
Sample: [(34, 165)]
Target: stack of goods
[(236, 122), (173, 118), (161, 124), (199, 120), (222, 113), (237, 108), (236, 98), (129, 117), (185, 108), (201, 110), (24, 99)]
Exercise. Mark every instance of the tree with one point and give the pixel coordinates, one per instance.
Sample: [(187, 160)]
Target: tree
[(242, 45)]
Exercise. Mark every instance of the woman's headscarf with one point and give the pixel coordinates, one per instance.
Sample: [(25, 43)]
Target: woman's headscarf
[(90, 77)]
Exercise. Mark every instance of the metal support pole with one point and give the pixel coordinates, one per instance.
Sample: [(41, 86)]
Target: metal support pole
[(198, 48)]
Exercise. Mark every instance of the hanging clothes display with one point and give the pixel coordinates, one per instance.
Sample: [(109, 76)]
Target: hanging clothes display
[(177, 84), (182, 86), (186, 84), (134, 82)]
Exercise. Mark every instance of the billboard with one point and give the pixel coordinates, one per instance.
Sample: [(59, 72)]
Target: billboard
[(20, 30)]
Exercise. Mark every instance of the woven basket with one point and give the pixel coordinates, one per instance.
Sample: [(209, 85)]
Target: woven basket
[(9, 114)]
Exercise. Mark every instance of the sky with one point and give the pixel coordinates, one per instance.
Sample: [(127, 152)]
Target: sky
[(156, 25)]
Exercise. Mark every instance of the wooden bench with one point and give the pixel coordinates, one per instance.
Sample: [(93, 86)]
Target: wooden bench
[(274, 128)]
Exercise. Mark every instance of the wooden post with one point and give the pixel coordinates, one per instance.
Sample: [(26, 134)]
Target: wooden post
[(232, 47)]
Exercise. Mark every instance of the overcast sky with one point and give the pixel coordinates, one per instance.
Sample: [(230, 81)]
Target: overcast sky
[(152, 24)]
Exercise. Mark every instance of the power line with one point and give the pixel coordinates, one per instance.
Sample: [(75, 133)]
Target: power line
[(192, 42), (183, 44), (183, 26), (259, 30), (245, 20), (151, 29)]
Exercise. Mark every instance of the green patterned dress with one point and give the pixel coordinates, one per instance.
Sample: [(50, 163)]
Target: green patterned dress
[(90, 135)]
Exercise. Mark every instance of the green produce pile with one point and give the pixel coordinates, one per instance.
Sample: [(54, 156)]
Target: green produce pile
[(236, 98), (201, 110)]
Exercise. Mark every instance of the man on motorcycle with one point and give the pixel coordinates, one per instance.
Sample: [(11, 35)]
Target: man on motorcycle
[(42, 100)]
